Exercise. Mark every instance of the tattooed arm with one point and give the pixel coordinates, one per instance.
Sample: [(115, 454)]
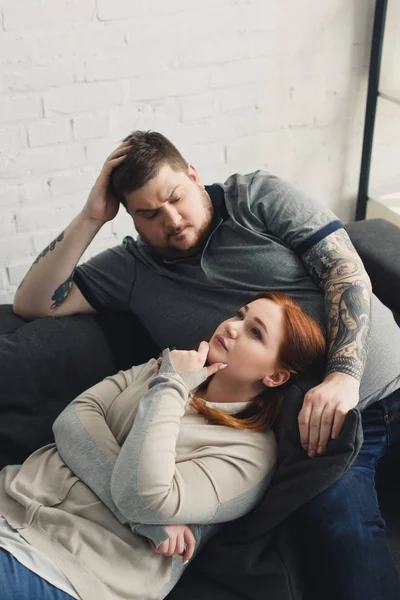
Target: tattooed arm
[(48, 288), (335, 266)]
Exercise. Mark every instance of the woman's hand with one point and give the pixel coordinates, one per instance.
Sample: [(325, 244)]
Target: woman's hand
[(181, 541), (190, 360)]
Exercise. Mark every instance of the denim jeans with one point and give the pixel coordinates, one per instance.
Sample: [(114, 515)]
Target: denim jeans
[(19, 583), (340, 534)]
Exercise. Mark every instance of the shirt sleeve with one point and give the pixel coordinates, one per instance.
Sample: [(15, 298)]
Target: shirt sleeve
[(88, 447), (288, 214), (223, 482), (107, 279)]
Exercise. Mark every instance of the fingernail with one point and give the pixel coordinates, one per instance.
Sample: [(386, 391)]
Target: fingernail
[(222, 367), (185, 562), (334, 436), (305, 446), (320, 450), (311, 453)]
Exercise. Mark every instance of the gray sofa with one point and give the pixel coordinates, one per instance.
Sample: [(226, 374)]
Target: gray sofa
[(45, 363)]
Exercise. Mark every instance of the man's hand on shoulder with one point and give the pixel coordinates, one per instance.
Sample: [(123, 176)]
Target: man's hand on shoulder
[(324, 410)]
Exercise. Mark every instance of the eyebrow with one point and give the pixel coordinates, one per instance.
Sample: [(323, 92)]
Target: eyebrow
[(153, 210), (246, 308)]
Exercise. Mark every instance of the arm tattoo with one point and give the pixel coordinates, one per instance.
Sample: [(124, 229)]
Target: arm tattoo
[(50, 247), (43, 253), (335, 266), (62, 291)]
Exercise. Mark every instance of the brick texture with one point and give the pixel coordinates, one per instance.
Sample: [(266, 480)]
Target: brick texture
[(237, 85)]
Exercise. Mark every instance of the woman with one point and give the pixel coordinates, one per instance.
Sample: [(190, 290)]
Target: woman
[(353, 323), (148, 451)]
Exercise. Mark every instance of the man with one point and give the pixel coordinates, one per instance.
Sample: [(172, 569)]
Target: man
[(204, 250)]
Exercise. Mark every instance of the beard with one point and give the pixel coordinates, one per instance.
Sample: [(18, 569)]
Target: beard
[(201, 235)]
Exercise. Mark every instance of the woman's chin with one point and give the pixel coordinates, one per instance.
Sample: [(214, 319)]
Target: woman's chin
[(216, 355), (213, 356), (210, 357)]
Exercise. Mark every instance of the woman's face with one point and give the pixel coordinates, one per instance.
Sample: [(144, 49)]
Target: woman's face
[(249, 342), (346, 317)]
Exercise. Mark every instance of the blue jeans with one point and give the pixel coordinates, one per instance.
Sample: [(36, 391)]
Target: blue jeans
[(340, 534), (19, 583)]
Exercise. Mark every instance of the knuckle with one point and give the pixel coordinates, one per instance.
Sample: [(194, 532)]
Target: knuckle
[(317, 399)]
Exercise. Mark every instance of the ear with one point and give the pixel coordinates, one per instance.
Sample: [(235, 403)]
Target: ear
[(193, 174), (280, 377)]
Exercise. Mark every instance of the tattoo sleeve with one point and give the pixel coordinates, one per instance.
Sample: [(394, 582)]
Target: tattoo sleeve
[(336, 268), (43, 253)]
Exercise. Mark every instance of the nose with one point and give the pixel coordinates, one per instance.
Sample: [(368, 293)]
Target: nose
[(172, 218), (232, 329)]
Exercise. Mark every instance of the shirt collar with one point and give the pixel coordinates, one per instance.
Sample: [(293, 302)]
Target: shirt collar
[(217, 197), (230, 408)]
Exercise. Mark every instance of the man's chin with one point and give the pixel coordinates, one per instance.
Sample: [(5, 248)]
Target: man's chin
[(183, 248)]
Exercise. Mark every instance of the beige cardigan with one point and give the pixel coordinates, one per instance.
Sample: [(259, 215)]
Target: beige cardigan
[(153, 460)]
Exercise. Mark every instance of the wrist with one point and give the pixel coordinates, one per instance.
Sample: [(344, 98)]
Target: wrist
[(345, 365), (90, 224), (340, 377)]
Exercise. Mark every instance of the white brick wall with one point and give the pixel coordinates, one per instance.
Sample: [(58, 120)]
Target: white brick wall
[(236, 84), (49, 132)]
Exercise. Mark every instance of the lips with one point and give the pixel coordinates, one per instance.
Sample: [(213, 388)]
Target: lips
[(221, 340), (176, 233)]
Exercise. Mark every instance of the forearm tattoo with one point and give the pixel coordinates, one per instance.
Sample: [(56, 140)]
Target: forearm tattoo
[(62, 291), (43, 253), (50, 247), (336, 267)]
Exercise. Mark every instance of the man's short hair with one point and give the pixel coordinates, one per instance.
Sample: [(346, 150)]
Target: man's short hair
[(150, 150)]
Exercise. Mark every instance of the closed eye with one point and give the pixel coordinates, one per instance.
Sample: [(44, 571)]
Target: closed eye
[(150, 216)]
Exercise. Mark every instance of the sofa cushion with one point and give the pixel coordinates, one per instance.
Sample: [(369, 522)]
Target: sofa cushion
[(45, 363)]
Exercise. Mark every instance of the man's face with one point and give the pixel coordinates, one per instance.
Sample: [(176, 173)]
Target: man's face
[(172, 212)]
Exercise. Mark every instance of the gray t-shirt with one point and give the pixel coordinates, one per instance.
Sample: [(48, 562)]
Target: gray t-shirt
[(261, 228)]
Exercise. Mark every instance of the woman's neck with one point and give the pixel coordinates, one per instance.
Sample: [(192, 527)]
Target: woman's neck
[(221, 389)]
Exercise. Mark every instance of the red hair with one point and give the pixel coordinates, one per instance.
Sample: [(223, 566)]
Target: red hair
[(303, 348)]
